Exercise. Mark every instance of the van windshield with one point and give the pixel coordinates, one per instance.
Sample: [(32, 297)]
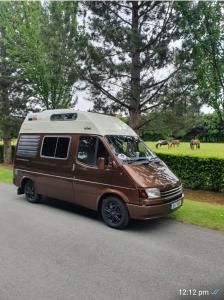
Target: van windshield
[(130, 149)]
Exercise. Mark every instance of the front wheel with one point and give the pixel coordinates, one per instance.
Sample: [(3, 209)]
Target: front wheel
[(30, 193), (115, 213)]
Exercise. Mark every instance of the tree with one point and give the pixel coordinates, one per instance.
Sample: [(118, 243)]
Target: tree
[(203, 36), (38, 53), (128, 43), (44, 40), (12, 92)]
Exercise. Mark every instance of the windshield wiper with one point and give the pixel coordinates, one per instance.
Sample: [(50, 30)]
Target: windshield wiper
[(133, 160)]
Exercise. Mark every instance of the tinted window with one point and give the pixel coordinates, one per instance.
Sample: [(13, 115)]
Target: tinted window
[(49, 146), (55, 147), (62, 147), (64, 117), (87, 150)]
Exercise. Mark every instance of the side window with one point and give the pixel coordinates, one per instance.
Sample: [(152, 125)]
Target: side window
[(90, 149), (55, 147), (49, 146), (62, 147), (87, 150)]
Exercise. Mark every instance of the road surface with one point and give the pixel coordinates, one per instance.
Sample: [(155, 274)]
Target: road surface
[(59, 251)]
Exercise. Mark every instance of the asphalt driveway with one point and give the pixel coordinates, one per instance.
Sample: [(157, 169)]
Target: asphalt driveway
[(60, 251)]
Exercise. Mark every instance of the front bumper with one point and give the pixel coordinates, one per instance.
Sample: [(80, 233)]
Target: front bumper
[(151, 212)]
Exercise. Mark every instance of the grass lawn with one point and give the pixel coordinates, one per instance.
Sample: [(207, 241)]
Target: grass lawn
[(202, 214), (207, 149), (5, 174)]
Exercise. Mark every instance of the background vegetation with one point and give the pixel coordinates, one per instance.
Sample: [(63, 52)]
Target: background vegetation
[(155, 62)]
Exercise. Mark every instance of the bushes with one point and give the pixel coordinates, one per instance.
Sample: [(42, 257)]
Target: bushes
[(1, 152), (197, 173)]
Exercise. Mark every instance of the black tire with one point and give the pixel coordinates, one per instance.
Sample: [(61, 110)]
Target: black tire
[(114, 213), (30, 193)]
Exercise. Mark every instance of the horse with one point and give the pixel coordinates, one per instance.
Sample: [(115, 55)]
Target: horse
[(162, 143), (174, 143), (195, 143)]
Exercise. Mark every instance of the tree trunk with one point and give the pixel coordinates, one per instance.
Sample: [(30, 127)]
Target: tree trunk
[(134, 111), (7, 152), (134, 119)]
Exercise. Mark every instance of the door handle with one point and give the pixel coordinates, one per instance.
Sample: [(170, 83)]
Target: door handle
[(73, 167)]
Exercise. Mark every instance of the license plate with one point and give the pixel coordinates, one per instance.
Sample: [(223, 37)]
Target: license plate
[(176, 204)]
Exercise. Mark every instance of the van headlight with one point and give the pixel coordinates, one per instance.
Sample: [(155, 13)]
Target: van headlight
[(153, 192)]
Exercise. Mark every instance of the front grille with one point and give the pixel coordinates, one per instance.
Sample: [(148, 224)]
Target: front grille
[(172, 194)]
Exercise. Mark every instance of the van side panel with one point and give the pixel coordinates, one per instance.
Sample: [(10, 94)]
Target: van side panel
[(52, 177)]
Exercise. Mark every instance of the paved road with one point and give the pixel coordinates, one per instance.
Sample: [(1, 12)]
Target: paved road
[(58, 251)]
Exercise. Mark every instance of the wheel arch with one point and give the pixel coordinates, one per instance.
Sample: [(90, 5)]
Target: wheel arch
[(111, 193), (23, 182)]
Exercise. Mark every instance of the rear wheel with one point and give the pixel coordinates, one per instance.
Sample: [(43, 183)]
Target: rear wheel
[(30, 193), (114, 213)]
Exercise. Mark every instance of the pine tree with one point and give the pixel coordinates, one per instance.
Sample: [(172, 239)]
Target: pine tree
[(128, 42)]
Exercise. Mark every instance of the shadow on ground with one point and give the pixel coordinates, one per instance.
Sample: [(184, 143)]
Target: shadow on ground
[(135, 225)]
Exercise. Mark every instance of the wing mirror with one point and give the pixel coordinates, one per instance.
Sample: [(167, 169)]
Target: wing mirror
[(112, 164)]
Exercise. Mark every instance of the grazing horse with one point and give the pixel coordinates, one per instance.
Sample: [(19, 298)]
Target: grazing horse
[(162, 143), (174, 143), (195, 143)]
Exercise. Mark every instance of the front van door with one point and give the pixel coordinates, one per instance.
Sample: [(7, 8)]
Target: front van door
[(89, 180)]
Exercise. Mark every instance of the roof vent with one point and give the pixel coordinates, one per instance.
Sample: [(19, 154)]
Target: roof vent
[(64, 117)]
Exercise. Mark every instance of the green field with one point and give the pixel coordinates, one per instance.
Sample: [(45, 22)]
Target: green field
[(5, 175), (202, 214), (215, 150)]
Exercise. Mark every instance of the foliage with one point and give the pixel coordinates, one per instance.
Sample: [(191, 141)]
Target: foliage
[(203, 34), (13, 88), (42, 39), (202, 214), (195, 172), (168, 124), (129, 42)]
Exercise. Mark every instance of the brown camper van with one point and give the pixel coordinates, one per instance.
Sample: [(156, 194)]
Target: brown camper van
[(96, 161)]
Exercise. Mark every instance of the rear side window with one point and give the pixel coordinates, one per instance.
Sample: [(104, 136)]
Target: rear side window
[(28, 145), (55, 147)]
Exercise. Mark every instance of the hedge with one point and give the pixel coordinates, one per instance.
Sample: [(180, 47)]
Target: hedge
[(1, 152), (194, 172), (197, 173)]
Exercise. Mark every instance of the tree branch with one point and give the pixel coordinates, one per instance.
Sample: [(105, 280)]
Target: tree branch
[(166, 20), (105, 92), (156, 92), (116, 14)]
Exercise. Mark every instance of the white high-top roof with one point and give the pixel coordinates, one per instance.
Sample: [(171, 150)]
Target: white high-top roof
[(86, 122)]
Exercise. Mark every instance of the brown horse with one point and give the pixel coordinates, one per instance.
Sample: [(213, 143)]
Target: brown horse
[(174, 143), (162, 143), (195, 143)]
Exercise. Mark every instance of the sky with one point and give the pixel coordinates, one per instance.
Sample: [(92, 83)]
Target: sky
[(84, 105)]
